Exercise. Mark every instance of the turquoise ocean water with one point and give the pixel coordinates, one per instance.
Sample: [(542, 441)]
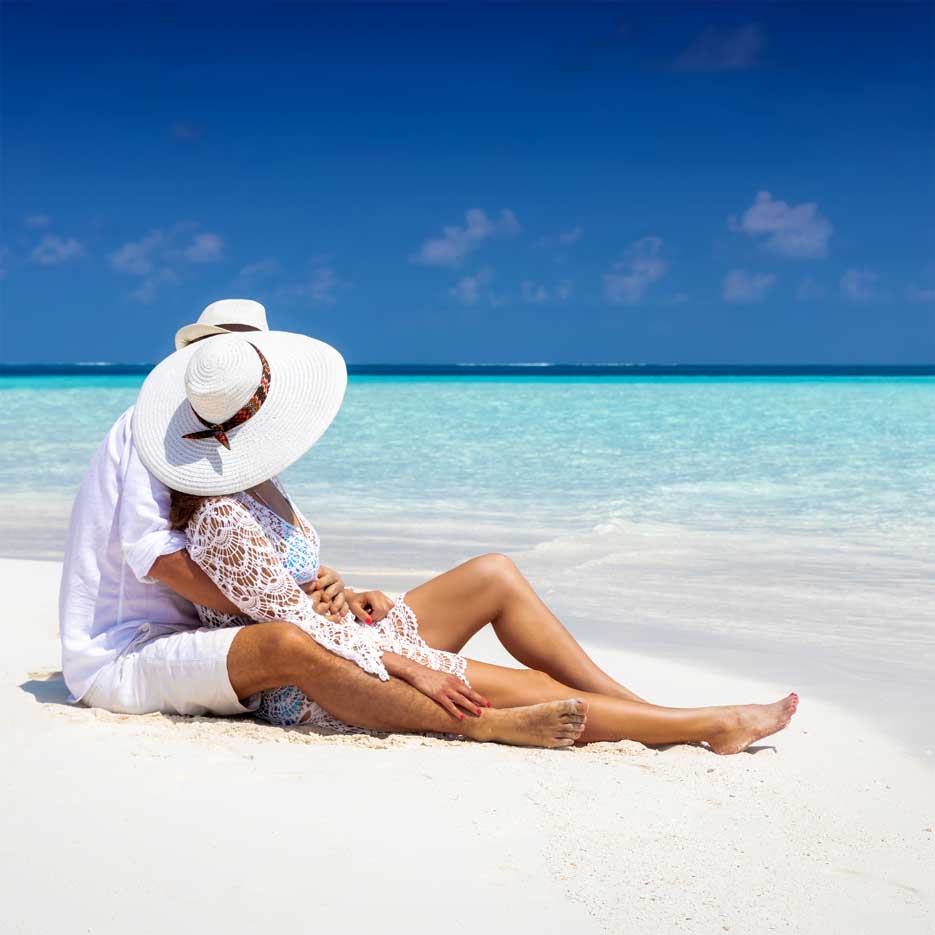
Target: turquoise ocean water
[(779, 523)]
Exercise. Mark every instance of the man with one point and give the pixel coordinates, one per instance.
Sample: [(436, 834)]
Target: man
[(132, 642)]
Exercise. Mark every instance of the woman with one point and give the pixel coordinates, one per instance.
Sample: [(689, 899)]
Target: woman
[(217, 423)]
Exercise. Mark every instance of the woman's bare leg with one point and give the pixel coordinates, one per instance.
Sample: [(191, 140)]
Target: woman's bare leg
[(491, 589), (270, 655), (727, 729)]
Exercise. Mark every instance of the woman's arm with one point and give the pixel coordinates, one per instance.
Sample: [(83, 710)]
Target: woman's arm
[(179, 573), (229, 545)]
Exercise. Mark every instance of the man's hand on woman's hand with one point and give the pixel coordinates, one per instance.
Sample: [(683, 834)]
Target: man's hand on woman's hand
[(369, 606)]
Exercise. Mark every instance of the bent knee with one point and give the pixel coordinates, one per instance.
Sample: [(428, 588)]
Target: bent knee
[(495, 565), (283, 644)]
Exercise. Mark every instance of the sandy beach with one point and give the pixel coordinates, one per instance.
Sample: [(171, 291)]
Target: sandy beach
[(152, 824)]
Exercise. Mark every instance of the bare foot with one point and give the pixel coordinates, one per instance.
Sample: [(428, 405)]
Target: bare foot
[(754, 722), (553, 724)]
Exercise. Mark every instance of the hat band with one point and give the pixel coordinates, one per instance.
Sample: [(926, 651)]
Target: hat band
[(219, 430)]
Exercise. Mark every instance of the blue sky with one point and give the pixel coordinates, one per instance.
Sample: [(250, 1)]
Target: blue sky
[(664, 182)]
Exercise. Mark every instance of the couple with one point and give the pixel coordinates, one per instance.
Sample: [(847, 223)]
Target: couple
[(192, 583)]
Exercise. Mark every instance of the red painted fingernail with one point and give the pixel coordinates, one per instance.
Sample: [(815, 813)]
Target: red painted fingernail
[(461, 716), (368, 619), (478, 711)]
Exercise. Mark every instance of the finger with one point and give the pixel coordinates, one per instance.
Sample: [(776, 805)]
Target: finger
[(333, 589), (339, 604), (449, 706), (326, 576), (358, 611), (380, 609), (476, 697), (462, 700)]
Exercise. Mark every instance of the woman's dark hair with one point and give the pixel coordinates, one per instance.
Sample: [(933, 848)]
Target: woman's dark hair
[(182, 508)]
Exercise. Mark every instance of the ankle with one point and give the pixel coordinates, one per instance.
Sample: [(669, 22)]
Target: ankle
[(726, 719), (484, 727)]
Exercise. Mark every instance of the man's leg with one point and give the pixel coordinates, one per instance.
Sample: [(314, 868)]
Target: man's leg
[(270, 655)]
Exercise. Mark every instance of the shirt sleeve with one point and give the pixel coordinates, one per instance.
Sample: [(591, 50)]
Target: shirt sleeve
[(229, 545), (143, 519)]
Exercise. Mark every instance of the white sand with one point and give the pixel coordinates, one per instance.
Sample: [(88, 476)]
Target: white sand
[(155, 825)]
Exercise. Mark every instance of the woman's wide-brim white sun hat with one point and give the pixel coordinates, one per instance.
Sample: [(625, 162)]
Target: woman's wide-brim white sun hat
[(230, 412)]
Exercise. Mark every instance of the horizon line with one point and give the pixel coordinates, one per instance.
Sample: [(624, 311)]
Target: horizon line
[(543, 368)]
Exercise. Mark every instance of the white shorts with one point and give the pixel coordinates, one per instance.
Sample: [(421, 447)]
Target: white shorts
[(173, 671)]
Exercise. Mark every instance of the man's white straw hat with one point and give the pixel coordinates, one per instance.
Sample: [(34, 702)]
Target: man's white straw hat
[(241, 313), (217, 393)]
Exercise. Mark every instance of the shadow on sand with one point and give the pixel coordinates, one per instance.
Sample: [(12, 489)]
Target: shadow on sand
[(48, 688)]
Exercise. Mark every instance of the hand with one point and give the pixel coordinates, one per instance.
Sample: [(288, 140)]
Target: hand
[(320, 604), (331, 590), (446, 690), (369, 606)]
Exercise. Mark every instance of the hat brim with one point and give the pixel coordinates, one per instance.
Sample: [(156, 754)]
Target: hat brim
[(307, 383), (188, 334)]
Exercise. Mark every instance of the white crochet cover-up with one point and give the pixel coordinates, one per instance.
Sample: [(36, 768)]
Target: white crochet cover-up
[(257, 560)]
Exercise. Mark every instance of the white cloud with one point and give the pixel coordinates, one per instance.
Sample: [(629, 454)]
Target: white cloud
[(789, 230), (252, 273), (724, 49), (641, 266), (150, 285), (533, 293), (319, 288), (160, 257), (468, 289), (914, 294), (322, 284), (52, 250), (457, 242), (138, 258), (743, 287), (204, 248), (857, 285), (563, 290), (37, 221)]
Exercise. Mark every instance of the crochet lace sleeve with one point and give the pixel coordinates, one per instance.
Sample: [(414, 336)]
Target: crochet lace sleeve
[(227, 542)]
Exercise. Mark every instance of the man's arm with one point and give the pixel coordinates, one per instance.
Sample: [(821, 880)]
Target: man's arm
[(179, 573)]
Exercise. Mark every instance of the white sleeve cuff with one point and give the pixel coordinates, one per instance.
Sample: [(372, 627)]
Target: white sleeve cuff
[(142, 556)]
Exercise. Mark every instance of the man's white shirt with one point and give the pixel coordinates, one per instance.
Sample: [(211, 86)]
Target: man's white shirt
[(119, 527)]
